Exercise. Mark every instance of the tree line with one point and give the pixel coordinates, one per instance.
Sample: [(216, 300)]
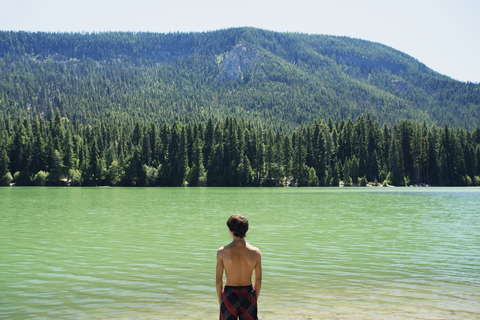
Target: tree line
[(234, 152)]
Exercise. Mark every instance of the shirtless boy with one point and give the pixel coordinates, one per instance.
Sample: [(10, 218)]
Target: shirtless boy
[(239, 259)]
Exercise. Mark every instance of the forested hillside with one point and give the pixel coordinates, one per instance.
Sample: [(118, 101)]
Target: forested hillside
[(281, 80), (236, 107)]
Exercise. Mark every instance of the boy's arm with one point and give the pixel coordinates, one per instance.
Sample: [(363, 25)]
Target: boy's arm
[(258, 275), (219, 275)]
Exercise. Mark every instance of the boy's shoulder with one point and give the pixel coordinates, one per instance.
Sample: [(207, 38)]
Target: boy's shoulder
[(223, 249), (252, 248)]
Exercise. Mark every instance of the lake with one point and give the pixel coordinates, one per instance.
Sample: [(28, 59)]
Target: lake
[(328, 253)]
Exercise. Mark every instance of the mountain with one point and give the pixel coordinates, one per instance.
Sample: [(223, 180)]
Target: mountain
[(279, 79)]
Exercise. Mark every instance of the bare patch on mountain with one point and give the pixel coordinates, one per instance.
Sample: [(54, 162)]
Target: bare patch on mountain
[(239, 62)]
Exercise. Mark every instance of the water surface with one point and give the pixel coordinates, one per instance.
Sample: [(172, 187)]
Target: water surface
[(328, 253)]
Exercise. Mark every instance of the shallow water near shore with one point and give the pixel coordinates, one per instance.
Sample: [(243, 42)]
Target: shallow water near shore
[(328, 253)]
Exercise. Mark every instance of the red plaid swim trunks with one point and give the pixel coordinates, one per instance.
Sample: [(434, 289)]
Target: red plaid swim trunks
[(238, 302)]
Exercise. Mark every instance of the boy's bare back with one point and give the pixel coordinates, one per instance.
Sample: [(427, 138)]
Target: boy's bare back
[(239, 259)]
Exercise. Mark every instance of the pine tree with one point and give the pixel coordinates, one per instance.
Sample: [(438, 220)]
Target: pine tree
[(299, 158), (385, 150), (57, 131), (309, 157), (56, 172), (287, 156), (260, 156), (154, 145), (447, 157), (395, 176), (347, 179), (432, 167), (321, 155), (335, 180), (374, 172), (18, 155), (458, 158), (208, 145), (147, 150), (329, 147), (5, 175), (137, 135), (135, 174), (181, 167), (95, 164), (68, 155), (269, 151), (251, 147), (405, 137), (240, 142), (216, 169), (477, 160), (245, 172), (417, 155), (38, 148), (197, 175), (190, 142), (164, 145)]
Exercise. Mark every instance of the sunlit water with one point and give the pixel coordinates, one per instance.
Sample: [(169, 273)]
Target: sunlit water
[(328, 253)]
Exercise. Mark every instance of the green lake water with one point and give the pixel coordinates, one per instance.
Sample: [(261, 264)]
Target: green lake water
[(328, 253)]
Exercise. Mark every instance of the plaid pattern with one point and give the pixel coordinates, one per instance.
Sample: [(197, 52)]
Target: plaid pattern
[(238, 302)]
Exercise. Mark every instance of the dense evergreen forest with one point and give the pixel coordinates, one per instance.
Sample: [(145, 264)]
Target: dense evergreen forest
[(235, 107), (235, 152), (279, 80)]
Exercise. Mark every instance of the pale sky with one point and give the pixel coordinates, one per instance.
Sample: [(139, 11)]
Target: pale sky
[(444, 35)]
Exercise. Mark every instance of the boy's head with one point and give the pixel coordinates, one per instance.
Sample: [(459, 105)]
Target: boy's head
[(238, 224)]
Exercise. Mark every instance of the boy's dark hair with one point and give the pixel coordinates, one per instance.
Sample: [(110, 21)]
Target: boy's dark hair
[(238, 224)]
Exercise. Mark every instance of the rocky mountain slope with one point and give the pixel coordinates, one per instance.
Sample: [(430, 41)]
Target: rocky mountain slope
[(279, 79)]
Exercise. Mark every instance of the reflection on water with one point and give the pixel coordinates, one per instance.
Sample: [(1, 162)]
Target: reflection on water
[(328, 253)]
